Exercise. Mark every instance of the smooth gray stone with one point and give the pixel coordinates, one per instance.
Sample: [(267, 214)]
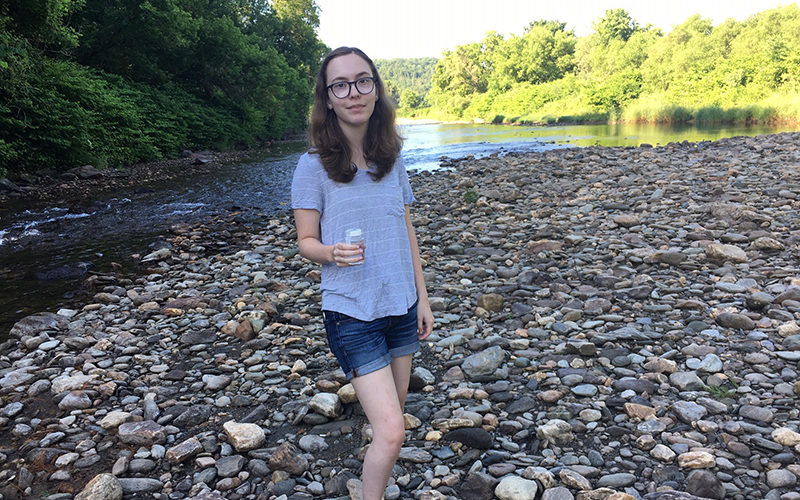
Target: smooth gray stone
[(140, 485)]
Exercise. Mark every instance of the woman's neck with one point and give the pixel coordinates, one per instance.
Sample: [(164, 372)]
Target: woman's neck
[(355, 137)]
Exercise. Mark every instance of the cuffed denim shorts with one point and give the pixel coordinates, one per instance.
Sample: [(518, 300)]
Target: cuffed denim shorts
[(363, 347)]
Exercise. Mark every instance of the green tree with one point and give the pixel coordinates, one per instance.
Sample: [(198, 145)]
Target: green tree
[(392, 89), (544, 53), (150, 41), (150, 77), (410, 99), (616, 25), (296, 35), (43, 23), (463, 72), (618, 44), (687, 48)]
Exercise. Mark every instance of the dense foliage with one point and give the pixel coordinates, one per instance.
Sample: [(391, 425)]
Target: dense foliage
[(408, 80), (112, 82), (737, 71)]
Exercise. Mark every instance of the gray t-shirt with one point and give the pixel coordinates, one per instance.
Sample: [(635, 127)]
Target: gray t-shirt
[(384, 284)]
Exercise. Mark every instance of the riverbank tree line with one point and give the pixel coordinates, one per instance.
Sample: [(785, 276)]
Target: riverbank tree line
[(737, 71), (110, 82), (407, 80)]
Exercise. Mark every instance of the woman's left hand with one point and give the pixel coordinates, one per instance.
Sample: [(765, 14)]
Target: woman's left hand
[(424, 319)]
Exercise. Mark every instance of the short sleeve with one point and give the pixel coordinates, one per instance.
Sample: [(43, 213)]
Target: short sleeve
[(405, 185), (306, 186)]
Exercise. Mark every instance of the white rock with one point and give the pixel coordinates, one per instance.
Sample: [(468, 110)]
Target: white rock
[(244, 437), (516, 488), (63, 384), (326, 404), (556, 431), (115, 419), (786, 436)]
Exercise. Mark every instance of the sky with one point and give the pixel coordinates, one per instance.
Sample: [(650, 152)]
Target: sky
[(386, 29)]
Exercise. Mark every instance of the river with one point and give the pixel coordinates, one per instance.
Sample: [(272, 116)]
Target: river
[(45, 250)]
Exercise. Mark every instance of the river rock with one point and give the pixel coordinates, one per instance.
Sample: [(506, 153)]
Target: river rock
[(736, 321), (786, 436), (626, 220), (116, 418), (491, 302), (287, 458), (217, 382), (470, 437), (688, 411), (313, 444), (326, 404), (726, 253), (574, 480), (144, 433), (138, 485), (686, 381), (244, 437), (696, 460), (756, 413), (75, 400), (557, 493), (616, 481), (481, 366), (705, 484), (781, 478), (185, 450), (711, 364), (33, 325), (101, 487), (789, 329), (662, 453), (478, 486), (230, 466), (515, 488), (556, 431)]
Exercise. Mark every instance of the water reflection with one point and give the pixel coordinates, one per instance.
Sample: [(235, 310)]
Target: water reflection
[(426, 143)]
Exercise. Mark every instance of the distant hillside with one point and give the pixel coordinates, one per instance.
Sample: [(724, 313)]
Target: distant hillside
[(402, 74)]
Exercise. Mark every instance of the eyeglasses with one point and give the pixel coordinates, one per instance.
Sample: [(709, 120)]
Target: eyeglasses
[(341, 90)]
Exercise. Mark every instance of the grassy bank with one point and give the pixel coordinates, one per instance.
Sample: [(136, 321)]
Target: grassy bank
[(776, 109)]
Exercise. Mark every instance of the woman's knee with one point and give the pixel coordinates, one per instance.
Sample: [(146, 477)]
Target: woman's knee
[(391, 435)]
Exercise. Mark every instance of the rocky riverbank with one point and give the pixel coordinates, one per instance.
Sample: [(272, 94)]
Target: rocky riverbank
[(47, 186), (610, 324)]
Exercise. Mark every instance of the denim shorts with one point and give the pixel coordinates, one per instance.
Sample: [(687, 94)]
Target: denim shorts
[(363, 347)]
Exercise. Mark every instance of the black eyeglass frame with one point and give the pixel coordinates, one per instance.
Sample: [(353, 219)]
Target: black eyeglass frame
[(350, 87)]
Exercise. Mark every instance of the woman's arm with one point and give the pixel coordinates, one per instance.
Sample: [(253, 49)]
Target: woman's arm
[(424, 314), (308, 241)]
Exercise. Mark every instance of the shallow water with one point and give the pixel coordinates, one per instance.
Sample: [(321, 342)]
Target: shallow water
[(45, 251)]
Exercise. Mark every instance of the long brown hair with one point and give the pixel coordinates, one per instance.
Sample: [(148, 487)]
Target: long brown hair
[(382, 143)]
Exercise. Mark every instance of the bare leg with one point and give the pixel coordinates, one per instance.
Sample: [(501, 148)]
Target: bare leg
[(378, 394), (401, 372)]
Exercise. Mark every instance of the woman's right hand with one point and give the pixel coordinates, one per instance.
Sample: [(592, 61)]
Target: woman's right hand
[(346, 255)]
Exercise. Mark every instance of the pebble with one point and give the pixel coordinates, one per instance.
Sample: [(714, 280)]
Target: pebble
[(608, 321)]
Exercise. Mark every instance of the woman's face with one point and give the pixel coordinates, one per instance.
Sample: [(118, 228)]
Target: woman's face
[(355, 109)]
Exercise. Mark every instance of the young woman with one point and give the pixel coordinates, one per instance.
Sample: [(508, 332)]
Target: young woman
[(374, 301)]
